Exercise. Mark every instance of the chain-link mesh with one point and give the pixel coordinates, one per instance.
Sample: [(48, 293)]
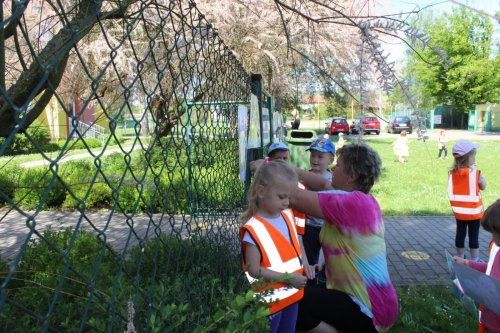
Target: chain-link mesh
[(127, 205)]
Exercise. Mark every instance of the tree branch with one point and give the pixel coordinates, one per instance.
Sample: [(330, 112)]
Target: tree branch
[(46, 71)]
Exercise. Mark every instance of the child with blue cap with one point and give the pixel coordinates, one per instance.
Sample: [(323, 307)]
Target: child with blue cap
[(322, 156), (278, 151)]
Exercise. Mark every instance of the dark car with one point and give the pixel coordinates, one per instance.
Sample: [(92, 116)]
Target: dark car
[(397, 124), (365, 124), (338, 125)]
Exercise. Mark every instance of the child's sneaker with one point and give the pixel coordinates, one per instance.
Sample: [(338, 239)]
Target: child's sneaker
[(478, 260)]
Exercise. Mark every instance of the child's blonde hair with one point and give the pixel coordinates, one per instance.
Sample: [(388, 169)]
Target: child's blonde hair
[(441, 132), (463, 161), (268, 174), (403, 133), (491, 218)]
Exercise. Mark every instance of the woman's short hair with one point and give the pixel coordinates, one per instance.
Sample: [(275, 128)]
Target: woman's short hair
[(362, 161), (491, 218)]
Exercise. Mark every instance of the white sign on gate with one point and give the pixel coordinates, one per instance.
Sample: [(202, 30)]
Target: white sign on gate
[(437, 119)]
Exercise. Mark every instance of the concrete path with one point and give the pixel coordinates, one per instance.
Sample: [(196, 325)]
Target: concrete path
[(415, 248), (415, 245), (87, 154)]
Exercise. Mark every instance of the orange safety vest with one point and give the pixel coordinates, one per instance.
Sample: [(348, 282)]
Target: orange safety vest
[(493, 251), (465, 197), (279, 255), (300, 218)]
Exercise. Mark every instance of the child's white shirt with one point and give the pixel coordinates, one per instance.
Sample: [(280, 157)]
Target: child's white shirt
[(278, 222)]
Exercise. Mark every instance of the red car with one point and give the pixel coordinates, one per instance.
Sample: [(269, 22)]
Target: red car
[(337, 125), (366, 124)]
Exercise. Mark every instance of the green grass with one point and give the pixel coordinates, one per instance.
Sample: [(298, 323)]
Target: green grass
[(419, 187), (431, 309)]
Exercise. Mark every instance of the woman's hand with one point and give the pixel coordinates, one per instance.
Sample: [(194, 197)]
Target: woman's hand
[(310, 271)]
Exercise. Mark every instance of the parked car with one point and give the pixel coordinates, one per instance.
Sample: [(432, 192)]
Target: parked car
[(365, 124), (397, 124), (354, 125), (337, 125)]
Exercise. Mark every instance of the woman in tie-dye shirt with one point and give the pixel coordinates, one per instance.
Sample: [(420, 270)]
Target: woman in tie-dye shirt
[(359, 296)]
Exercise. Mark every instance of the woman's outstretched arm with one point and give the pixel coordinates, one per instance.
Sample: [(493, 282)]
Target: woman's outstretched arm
[(306, 202)]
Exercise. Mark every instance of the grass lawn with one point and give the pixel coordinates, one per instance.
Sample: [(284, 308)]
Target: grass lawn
[(419, 187), (432, 309)]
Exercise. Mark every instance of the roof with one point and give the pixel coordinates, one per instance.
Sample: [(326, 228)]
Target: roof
[(312, 100)]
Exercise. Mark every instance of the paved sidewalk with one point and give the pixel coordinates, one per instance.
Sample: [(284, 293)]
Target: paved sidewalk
[(415, 244)]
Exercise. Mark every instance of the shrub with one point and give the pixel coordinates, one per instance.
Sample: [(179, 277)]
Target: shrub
[(50, 147), (22, 145), (100, 196), (79, 144), (237, 313), (117, 138), (197, 277), (77, 176), (87, 142), (176, 286), (9, 178), (86, 266), (34, 184)]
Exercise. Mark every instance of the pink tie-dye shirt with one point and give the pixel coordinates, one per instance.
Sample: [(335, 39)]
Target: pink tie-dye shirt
[(353, 242)]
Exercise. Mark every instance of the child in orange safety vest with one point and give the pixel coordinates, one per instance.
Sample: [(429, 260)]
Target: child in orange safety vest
[(464, 184), (272, 255), (489, 321)]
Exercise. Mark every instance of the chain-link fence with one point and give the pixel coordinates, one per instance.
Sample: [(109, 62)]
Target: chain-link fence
[(122, 167)]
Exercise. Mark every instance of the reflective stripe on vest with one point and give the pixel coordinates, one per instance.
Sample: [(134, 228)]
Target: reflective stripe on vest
[(300, 218), (300, 222), (279, 295), (493, 253), (464, 195)]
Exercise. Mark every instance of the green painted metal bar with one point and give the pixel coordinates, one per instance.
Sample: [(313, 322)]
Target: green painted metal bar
[(218, 103)]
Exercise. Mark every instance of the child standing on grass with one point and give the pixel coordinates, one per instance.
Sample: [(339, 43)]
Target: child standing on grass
[(341, 141), (322, 156), (270, 246), (464, 185), (401, 149), (491, 223), (442, 144)]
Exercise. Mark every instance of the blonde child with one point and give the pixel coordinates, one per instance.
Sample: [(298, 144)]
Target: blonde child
[(341, 141), (400, 147), (464, 185), (491, 223), (271, 249), (322, 156), (442, 144)]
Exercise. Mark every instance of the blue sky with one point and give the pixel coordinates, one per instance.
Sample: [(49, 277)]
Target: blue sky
[(394, 6), (437, 6)]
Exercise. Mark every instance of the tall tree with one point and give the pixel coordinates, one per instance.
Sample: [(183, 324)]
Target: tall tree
[(102, 48), (468, 76)]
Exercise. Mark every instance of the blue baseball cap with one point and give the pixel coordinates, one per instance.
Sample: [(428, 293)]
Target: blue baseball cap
[(323, 145), (276, 146)]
